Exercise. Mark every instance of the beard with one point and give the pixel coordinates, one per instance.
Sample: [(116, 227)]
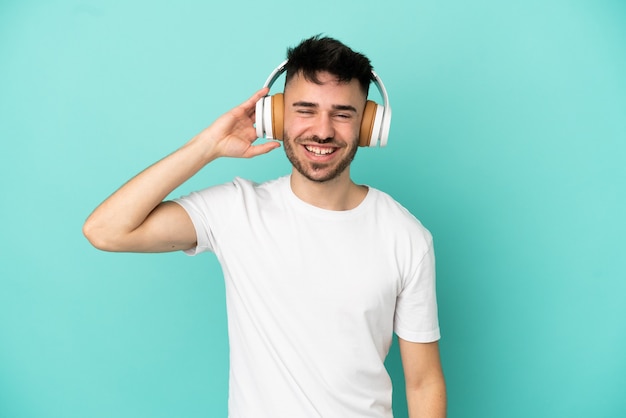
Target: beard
[(318, 172)]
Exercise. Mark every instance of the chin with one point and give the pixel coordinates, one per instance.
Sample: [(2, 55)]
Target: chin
[(317, 172)]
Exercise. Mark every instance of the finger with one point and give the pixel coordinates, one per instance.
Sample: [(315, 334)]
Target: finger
[(250, 104), (262, 92)]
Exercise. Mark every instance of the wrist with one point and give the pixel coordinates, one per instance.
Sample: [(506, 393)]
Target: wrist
[(204, 146)]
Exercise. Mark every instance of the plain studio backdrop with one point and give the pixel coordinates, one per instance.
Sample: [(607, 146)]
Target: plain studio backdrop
[(508, 142)]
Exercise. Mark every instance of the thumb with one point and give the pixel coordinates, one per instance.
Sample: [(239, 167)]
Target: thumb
[(264, 148)]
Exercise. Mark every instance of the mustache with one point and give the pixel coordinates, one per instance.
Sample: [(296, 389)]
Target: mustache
[(318, 140)]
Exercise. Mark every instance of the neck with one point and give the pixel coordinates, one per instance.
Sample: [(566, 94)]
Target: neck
[(340, 193)]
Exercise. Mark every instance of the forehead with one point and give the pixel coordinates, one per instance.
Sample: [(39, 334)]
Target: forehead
[(326, 87)]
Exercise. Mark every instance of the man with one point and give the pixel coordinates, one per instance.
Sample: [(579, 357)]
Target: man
[(319, 271)]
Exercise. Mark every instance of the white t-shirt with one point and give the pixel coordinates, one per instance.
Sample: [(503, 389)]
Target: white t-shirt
[(314, 296)]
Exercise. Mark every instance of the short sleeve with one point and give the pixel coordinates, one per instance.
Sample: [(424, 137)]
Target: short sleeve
[(416, 317), (203, 240), (210, 210)]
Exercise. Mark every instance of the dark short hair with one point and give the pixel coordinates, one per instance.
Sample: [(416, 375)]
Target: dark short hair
[(327, 54)]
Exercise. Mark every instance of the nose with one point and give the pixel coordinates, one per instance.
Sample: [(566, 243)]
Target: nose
[(324, 128)]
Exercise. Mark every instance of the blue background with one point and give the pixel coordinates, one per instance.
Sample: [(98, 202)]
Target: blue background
[(508, 142)]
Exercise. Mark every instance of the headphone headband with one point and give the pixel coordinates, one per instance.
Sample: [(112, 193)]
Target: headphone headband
[(275, 74)]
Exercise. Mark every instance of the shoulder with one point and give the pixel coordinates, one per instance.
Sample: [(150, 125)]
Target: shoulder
[(234, 197), (392, 215), (240, 187), (262, 192)]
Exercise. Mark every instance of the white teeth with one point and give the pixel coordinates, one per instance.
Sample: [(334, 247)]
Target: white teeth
[(319, 151)]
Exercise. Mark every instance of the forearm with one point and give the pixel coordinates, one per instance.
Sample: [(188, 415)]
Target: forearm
[(428, 401), (424, 379)]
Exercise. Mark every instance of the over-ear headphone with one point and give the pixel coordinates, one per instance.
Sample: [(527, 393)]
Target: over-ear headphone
[(374, 126)]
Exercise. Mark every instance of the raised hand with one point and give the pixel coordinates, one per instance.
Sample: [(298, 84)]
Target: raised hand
[(233, 134)]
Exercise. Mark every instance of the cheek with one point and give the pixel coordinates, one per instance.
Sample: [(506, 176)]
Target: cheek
[(295, 126), (350, 130)]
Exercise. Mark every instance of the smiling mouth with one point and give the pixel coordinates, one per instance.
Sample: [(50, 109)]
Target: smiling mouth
[(319, 150)]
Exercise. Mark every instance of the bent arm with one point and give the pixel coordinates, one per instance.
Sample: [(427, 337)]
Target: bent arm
[(425, 385), (136, 219)]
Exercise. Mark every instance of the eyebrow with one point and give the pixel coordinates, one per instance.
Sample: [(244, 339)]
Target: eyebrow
[(335, 107)]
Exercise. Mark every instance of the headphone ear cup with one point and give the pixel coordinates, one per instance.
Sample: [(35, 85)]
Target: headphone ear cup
[(268, 128), (269, 117), (384, 129), (371, 124), (278, 113), (258, 118), (367, 123)]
